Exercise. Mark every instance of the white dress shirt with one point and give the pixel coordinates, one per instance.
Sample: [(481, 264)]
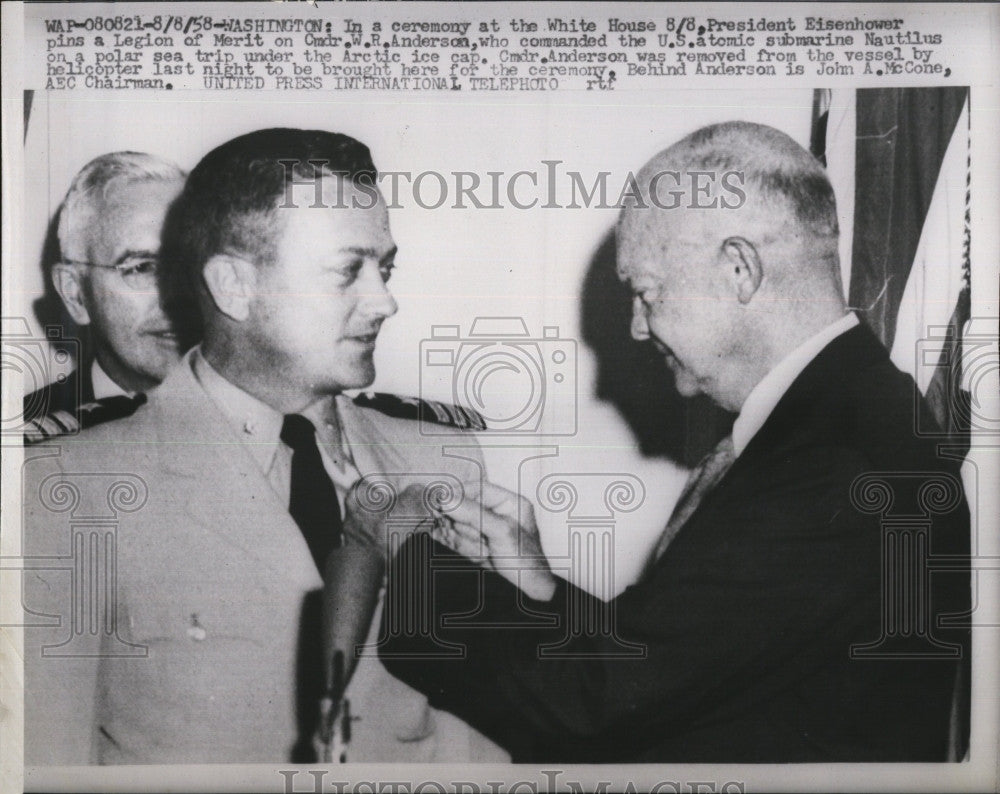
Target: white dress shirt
[(258, 426), (765, 395), (103, 385)]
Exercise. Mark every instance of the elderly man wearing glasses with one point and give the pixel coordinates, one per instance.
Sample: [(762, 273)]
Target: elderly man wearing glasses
[(109, 238)]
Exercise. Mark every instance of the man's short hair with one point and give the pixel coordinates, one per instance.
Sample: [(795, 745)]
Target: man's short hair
[(96, 180), (773, 165), (230, 201)]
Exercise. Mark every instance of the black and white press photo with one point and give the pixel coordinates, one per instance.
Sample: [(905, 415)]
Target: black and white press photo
[(497, 397)]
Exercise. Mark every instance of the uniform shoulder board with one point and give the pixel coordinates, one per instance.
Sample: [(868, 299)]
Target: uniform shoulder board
[(422, 410), (66, 423)]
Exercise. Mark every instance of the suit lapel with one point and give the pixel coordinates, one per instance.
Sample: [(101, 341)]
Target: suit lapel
[(828, 379), (226, 492)]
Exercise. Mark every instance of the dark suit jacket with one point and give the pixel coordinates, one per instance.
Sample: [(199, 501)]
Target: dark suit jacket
[(748, 619)]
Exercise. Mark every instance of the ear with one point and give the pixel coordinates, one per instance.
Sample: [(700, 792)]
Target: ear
[(746, 268), (231, 281), (68, 282)]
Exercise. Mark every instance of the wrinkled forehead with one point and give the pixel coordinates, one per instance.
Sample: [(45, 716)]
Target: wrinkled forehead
[(338, 213), (642, 238), (638, 266)]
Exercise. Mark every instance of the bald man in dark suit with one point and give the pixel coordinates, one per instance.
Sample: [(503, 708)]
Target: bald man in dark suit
[(780, 615)]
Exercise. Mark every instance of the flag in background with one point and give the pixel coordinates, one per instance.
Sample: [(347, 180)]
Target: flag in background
[(899, 162)]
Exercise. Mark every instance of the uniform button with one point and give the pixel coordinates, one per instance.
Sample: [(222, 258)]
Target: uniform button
[(196, 631)]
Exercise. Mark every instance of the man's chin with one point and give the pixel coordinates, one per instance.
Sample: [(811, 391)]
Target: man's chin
[(685, 385), (157, 367), (359, 377)]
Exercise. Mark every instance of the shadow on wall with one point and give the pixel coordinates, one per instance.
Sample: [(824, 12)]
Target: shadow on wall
[(48, 308), (633, 377)]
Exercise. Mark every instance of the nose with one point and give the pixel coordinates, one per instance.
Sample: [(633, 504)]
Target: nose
[(639, 327), (378, 300)]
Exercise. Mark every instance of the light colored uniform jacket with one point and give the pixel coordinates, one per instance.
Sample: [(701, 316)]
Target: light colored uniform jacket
[(167, 591)]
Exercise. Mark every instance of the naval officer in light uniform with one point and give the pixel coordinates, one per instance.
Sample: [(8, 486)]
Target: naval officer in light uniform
[(236, 471)]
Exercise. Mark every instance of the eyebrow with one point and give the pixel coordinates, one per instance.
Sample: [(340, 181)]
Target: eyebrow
[(133, 253), (372, 252)]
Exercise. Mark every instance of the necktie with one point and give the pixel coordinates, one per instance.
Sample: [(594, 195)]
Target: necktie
[(313, 502), (705, 476)]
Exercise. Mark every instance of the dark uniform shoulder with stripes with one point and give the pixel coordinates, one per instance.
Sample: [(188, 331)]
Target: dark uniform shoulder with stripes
[(56, 411), (66, 393), (420, 410)]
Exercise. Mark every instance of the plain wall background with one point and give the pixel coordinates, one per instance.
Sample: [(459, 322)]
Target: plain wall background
[(457, 264)]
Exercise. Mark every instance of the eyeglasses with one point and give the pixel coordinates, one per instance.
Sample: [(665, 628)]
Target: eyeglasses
[(138, 273)]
